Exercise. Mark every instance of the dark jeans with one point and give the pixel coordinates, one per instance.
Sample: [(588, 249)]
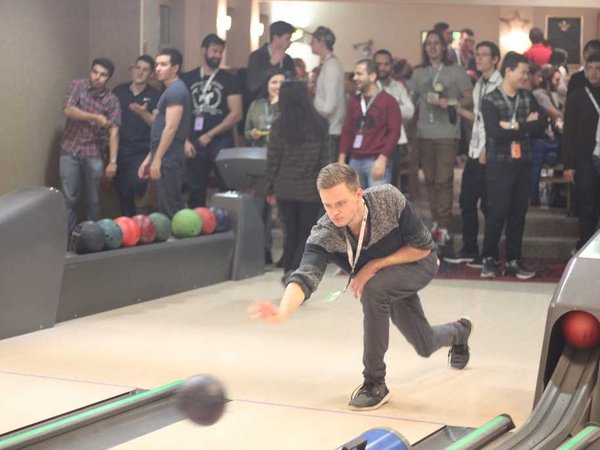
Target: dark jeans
[(298, 220), (392, 293), (76, 171), (334, 147), (199, 169), (543, 151), (128, 184), (587, 183), (472, 193), (168, 186), (508, 186)]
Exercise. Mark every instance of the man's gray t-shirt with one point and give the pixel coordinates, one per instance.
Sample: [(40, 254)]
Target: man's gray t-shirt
[(176, 94), (455, 81)]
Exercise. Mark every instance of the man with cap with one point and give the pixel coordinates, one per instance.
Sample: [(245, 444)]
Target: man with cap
[(330, 98), (269, 56)]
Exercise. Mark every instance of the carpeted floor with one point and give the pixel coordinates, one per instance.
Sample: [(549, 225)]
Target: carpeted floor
[(547, 271)]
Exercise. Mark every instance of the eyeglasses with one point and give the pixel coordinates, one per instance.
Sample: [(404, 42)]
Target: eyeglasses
[(593, 68)]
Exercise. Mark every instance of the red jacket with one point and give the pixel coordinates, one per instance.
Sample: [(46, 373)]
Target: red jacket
[(381, 131)]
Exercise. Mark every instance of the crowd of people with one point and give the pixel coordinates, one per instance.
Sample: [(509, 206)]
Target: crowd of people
[(509, 114)]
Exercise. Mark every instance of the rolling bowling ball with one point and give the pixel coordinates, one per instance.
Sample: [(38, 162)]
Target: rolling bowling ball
[(186, 223), (209, 221), (130, 230), (581, 330), (162, 224), (223, 218), (201, 399), (112, 233), (147, 229), (87, 237)]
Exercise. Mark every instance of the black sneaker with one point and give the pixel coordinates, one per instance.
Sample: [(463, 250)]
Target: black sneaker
[(489, 269), (369, 396), (515, 269), (459, 354), (477, 263), (462, 256)]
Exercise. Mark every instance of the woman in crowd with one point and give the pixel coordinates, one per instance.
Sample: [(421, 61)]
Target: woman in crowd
[(546, 149), (296, 152)]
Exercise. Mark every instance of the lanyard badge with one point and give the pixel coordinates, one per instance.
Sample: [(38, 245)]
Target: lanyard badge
[(352, 259)]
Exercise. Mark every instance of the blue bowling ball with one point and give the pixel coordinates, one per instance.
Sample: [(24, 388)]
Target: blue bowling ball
[(223, 218)]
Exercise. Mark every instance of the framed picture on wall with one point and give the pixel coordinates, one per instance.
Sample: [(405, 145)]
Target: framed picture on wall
[(566, 33)]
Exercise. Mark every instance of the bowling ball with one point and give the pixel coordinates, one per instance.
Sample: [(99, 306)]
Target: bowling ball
[(130, 230), (162, 224), (223, 218), (209, 221), (112, 233), (186, 223), (581, 330), (87, 237), (201, 399), (147, 229)]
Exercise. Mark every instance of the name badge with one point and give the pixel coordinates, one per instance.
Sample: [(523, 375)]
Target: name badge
[(358, 141), (515, 150), (199, 123)]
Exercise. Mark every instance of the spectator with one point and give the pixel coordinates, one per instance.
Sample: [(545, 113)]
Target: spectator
[(439, 87), (465, 53), (138, 100), (371, 128), (578, 79), (300, 72), (217, 108), (545, 150), (269, 56), (93, 118), (581, 147), (297, 150), (512, 118), (330, 99), (444, 29), (559, 59), (169, 131), (539, 53), (472, 188)]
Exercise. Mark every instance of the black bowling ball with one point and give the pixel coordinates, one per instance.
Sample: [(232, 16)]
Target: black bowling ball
[(88, 237), (201, 399)]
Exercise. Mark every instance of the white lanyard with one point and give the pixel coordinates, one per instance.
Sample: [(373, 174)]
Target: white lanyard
[(436, 76), (595, 103), (510, 105), (364, 107), (352, 260), (269, 114), (208, 82)]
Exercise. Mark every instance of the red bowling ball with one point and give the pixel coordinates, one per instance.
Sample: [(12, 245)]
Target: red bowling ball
[(209, 221), (130, 230), (581, 330), (147, 229)]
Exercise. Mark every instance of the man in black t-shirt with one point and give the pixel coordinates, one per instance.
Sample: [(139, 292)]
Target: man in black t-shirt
[(138, 99), (216, 109)]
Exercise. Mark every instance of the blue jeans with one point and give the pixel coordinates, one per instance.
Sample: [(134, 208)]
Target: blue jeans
[(543, 151), (364, 167), (76, 171)]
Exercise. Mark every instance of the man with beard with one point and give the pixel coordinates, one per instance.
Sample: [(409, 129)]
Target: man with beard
[(383, 59), (216, 109), (371, 128)]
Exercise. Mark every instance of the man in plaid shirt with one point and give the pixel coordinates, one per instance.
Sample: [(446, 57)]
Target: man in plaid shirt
[(93, 118)]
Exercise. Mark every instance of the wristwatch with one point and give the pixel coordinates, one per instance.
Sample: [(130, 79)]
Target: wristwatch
[(113, 161)]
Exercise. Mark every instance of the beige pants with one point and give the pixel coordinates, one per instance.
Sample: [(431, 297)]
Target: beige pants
[(437, 157)]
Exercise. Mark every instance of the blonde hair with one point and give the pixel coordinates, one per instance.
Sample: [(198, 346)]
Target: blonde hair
[(335, 173)]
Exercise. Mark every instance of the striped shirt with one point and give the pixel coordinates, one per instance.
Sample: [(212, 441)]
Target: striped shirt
[(81, 137)]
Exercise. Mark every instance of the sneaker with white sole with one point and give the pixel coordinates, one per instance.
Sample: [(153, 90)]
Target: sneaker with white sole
[(369, 396), (514, 268), (459, 353)]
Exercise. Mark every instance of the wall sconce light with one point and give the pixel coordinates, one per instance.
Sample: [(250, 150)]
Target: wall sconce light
[(514, 34)]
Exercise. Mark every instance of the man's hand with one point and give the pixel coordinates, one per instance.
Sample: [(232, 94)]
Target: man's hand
[(155, 169), (111, 170), (255, 134), (359, 280), (271, 199), (378, 170), (138, 109), (189, 150), (532, 117), (506, 125), (569, 176), (143, 170), (102, 121), (264, 310), (205, 139)]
